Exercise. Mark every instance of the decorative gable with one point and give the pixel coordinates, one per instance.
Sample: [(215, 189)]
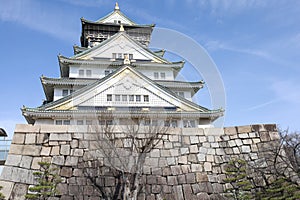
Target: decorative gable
[(117, 47), (125, 88)]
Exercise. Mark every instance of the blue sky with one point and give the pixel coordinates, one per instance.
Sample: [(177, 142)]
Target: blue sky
[(255, 45)]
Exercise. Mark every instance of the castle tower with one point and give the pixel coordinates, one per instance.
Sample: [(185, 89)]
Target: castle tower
[(113, 76)]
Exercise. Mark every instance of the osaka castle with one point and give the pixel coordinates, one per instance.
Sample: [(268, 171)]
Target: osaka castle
[(113, 78)]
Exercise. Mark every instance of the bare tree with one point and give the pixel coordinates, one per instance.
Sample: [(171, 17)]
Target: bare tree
[(117, 156), (276, 172)]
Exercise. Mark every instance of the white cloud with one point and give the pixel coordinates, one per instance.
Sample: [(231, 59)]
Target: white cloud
[(33, 15), (87, 3)]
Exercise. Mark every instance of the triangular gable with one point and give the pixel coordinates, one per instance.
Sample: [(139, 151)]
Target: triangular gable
[(125, 81), (116, 17), (120, 43)]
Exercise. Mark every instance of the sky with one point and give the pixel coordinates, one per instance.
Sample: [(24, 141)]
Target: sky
[(254, 44)]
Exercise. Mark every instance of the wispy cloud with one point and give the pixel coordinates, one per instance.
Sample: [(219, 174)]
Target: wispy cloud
[(87, 3), (33, 15), (222, 7), (217, 45)]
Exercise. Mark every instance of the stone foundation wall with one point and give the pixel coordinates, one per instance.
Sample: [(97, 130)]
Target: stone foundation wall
[(187, 164)]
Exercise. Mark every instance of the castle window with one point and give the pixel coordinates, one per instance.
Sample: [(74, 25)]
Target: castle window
[(162, 75), (156, 75), (114, 55), (131, 97), (65, 93), (88, 73), (120, 55), (124, 98), (130, 56), (189, 123), (67, 122), (173, 123), (79, 122), (138, 98), (81, 72), (58, 122), (89, 122), (109, 97), (117, 97), (180, 94), (146, 98), (106, 72)]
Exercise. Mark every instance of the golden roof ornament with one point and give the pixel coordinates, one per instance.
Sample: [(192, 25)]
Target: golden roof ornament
[(117, 6), (121, 28)]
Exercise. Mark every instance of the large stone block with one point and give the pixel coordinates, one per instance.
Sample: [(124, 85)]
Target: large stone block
[(27, 128), (18, 138), (244, 129), (13, 160), (26, 162), (54, 129), (60, 137), (58, 160), (65, 150), (30, 138), (45, 151)]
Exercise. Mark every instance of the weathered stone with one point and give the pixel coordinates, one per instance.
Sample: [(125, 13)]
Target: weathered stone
[(185, 169), (30, 138), (58, 160), (187, 191), (155, 153), (53, 143), (214, 145), (201, 157), (243, 135), (172, 180), (74, 144), (65, 150), (13, 160), (193, 149), (35, 163), (60, 137), (236, 150), (109, 181), (182, 160), (178, 191), (207, 166), (196, 167), (230, 130), (181, 179), (244, 129), (167, 189), (202, 139), (194, 139), (220, 151), (173, 138), (211, 151), (62, 188), (55, 151), (165, 153), (25, 162), (71, 161), (66, 171), (176, 170), (190, 178), (171, 161), (27, 128), (264, 136), (77, 152), (45, 151), (203, 196), (213, 131), (54, 129), (238, 142), (174, 152), (192, 158), (74, 190), (42, 138), (210, 158), (77, 172), (246, 149), (18, 138), (161, 180), (201, 177), (206, 187), (18, 191), (156, 189), (247, 141)]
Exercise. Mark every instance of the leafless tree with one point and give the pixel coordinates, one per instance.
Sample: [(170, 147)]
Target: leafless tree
[(117, 156)]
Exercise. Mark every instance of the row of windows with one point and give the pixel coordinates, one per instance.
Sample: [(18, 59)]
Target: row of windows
[(87, 73), (122, 55), (162, 75), (66, 92), (126, 98), (146, 122)]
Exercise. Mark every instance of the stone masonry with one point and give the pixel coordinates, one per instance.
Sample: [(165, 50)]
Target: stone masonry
[(187, 164)]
